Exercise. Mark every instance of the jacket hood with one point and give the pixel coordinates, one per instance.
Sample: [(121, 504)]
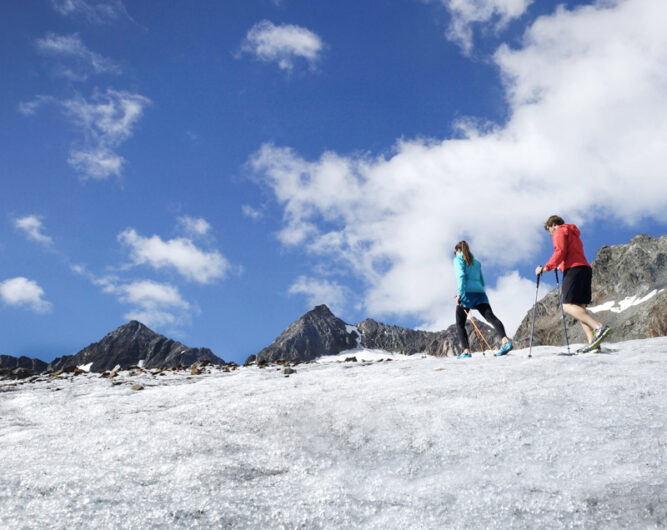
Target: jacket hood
[(571, 228)]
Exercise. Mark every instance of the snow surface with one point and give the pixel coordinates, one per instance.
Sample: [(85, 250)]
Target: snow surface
[(418, 442)]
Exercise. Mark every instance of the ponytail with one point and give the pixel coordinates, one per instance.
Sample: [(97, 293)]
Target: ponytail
[(465, 250)]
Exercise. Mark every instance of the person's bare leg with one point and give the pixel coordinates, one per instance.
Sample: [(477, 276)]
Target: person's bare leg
[(588, 331), (583, 316)]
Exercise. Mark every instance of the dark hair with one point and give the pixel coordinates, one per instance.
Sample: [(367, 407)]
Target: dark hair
[(465, 249), (554, 220)]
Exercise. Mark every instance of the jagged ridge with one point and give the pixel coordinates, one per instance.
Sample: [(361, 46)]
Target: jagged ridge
[(131, 343)]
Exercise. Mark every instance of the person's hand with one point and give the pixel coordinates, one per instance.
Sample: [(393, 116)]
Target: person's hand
[(458, 299), (539, 270)]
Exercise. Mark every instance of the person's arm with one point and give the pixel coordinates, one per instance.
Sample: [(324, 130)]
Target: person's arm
[(560, 250), (481, 276), (459, 269)]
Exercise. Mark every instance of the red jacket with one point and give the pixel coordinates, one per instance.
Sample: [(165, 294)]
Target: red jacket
[(568, 249)]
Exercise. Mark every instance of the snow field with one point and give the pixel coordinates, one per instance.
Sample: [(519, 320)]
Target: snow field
[(419, 442)]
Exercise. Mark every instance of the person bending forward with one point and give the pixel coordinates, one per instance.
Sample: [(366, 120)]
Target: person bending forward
[(471, 295), (569, 257)]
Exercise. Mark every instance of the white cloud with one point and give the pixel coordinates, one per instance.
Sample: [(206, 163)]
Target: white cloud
[(320, 292), (251, 212), (106, 121), (282, 44), (71, 47), (97, 163), (512, 297), (32, 226), (195, 226), (179, 254), (96, 12), (155, 304), (465, 14), (22, 292), (585, 137)]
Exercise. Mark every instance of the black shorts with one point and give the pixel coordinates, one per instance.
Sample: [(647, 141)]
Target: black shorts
[(577, 285)]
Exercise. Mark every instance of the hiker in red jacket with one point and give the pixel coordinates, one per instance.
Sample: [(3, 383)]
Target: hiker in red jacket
[(569, 257)]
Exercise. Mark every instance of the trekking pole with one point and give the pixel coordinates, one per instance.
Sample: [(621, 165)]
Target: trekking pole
[(562, 312), (479, 333), (532, 325)]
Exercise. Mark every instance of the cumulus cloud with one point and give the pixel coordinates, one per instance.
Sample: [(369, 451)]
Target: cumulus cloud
[(194, 226), (22, 292), (318, 291), (70, 47), (282, 44), (105, 121), (585, 136), (154, 304), (466, 14), (32, 226), (512, 297), (95, 12), (179, 254)]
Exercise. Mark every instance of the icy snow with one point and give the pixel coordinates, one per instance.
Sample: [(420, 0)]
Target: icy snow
[(418, 442), (354, 329), (626, 303)]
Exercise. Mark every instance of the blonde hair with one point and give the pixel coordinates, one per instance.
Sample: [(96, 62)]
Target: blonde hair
[(465, 250)]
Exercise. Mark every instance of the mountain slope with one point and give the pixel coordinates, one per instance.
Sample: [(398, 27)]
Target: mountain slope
[(629, 294), (419, 442), (131, 343), (319, 332), (34, 365)]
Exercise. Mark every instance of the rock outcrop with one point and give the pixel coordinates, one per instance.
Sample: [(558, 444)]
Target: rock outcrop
[(629, 294), (316, 333), (9, 362), (319, 332), (132, 343)]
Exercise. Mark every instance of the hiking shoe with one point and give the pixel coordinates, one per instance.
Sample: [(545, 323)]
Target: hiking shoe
[(505, 349), (599, 336), (464, 356), (589, 348)]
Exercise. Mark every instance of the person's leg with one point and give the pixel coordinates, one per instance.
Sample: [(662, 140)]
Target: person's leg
[(487, 313), (584, 317), (461, 318), (588, 331)]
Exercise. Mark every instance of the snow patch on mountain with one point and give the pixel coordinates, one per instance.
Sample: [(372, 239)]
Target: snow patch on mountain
[(626, 303)]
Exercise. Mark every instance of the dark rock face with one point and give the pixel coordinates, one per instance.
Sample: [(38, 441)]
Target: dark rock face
[(131, 343), (319, 333), (316, 333), (629, 295), (34, 365), (375, 335)]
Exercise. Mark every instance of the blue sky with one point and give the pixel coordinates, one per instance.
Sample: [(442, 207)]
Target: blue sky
[(216, 171)]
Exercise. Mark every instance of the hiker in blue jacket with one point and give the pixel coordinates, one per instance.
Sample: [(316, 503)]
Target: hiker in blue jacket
[(471, 296)]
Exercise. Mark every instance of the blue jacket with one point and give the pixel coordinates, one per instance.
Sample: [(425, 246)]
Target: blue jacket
[(468, 277)]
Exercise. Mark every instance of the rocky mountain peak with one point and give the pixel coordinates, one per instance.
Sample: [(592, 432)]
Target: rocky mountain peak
[(318, 332), (131, 343)]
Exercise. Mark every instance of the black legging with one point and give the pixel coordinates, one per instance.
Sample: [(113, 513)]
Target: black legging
[(487, 313)]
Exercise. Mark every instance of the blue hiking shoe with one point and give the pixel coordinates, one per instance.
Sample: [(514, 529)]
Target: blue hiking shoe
[(505, 349), (464, 356)]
